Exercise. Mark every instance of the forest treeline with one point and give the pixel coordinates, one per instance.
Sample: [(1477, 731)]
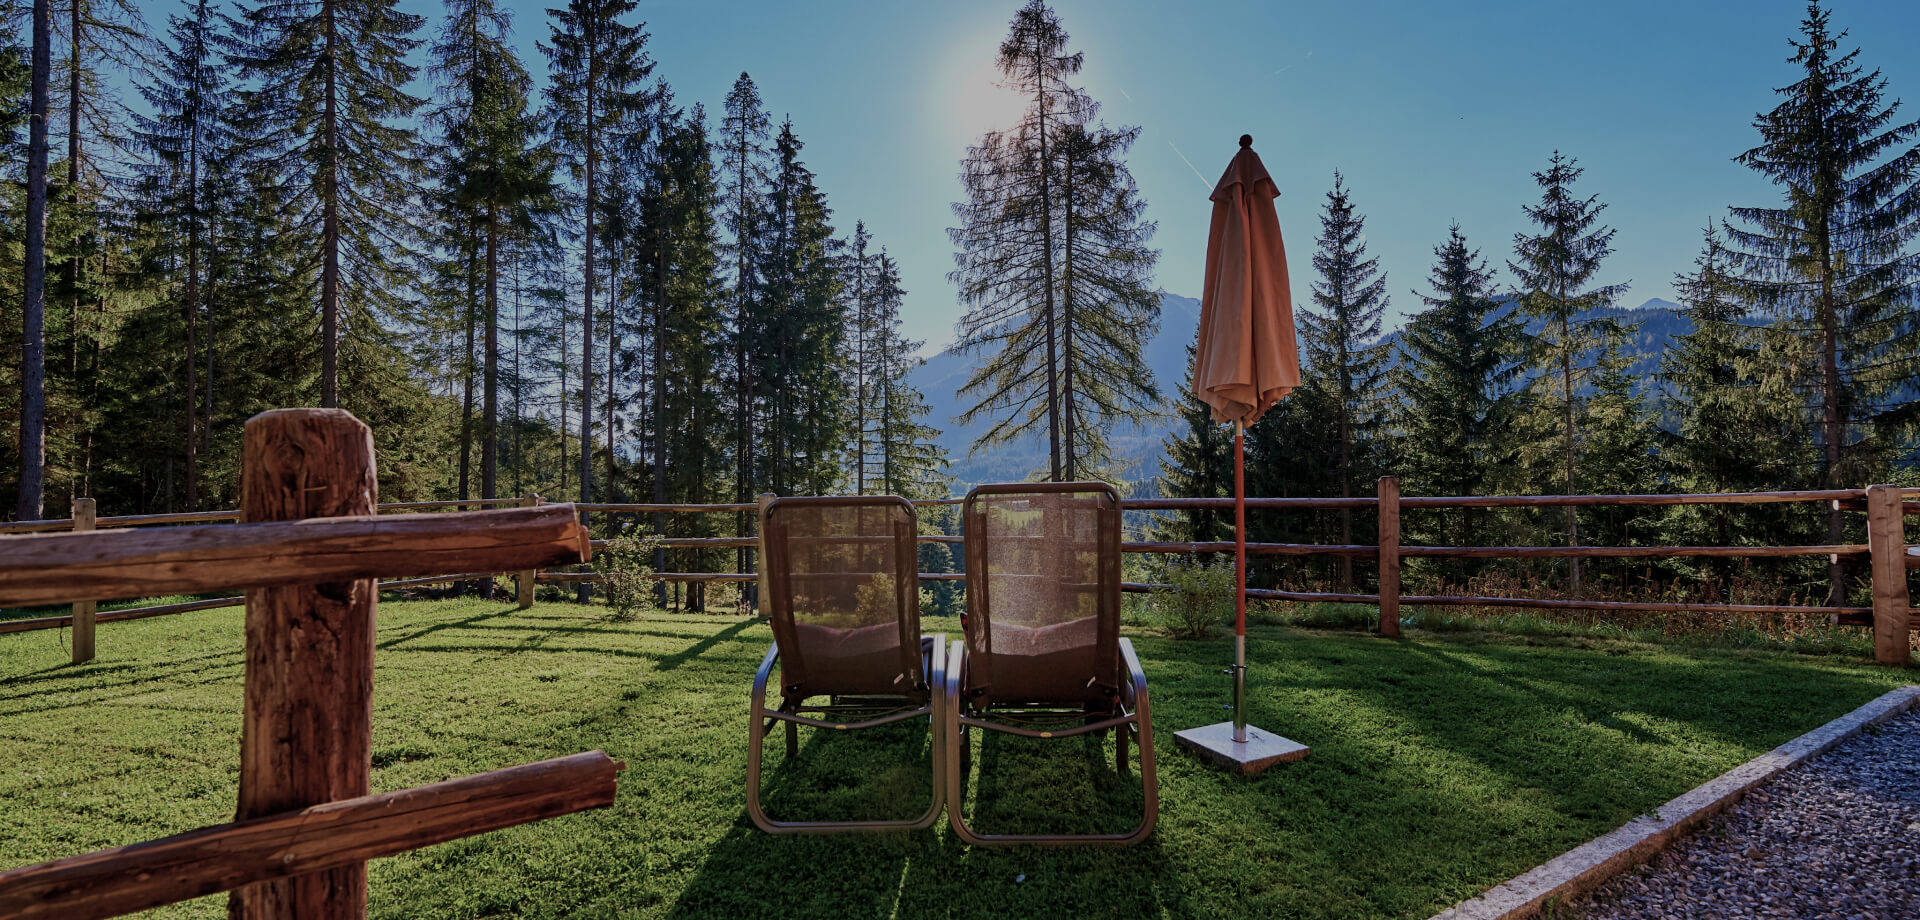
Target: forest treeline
[(590, 290), (1802, 371)]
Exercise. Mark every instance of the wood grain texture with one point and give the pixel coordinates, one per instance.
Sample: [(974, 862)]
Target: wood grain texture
[(306, 731), (297, 842), (1887, 535), (196, 559), (1389, 540)]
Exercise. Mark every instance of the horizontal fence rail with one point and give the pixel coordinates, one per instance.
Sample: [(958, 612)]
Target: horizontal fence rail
[(1388, 551)]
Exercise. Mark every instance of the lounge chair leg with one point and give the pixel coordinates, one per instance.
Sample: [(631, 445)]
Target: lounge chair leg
[(793, 740), (1120, 749)]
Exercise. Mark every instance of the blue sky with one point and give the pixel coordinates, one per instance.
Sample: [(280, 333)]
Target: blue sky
[(1435, 112)]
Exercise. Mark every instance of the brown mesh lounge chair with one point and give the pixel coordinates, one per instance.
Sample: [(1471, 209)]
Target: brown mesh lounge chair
[(843, 593), (1043, 656)]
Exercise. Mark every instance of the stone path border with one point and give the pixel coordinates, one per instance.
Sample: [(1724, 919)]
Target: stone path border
[(1583, 868)]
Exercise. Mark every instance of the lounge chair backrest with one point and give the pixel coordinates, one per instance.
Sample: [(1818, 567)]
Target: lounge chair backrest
[(844, 595), (1043, 593)]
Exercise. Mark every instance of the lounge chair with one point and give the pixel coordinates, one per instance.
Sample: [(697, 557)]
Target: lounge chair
[(1043, 655), (843, 593)]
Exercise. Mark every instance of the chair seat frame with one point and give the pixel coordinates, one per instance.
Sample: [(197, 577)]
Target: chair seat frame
[(1133, 719), (879, 710)]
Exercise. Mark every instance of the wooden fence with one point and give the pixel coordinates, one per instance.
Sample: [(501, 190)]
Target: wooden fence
[(1890, 613), (305, 825)]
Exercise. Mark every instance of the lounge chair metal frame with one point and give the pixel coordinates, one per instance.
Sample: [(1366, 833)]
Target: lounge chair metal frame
[(850, 711), (1131, 718)]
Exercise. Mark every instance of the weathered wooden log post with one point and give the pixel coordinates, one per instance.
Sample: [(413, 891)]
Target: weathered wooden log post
[(1389, 489), (525, 581), (83, 611), (1887, 546), (306, 732)]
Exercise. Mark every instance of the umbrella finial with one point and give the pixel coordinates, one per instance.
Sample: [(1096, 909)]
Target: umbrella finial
[(1246, 141)]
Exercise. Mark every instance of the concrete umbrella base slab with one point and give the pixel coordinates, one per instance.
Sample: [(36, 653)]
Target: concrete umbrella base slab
[(1261, 750)]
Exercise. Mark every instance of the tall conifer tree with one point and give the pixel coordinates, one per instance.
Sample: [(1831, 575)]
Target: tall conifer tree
[(1554, 266), (1343, 352), (1456, 378), (1834, 263)]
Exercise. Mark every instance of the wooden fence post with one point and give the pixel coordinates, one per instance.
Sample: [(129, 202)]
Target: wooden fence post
[(306, 730), (1389, 555), (760, 557), (526, 580), (1887, 546), (83, 611)]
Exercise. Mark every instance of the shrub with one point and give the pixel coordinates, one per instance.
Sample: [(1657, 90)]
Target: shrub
[(627, 564), (1202, 598)]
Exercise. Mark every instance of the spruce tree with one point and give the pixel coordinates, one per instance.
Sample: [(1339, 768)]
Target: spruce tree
[(1343, 351), (1456, 380), (911, 462), (328, 115), (1554, 265), (1833, 264)]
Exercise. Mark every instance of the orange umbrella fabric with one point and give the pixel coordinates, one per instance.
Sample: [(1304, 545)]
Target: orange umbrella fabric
[(1246, 359)]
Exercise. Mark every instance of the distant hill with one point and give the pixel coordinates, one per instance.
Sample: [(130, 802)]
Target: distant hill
[(1658, 322)]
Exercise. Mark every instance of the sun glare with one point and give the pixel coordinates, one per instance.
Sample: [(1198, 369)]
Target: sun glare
[(971, 100)]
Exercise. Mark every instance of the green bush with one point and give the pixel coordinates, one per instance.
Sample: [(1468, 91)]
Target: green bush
[(627, 564), (1202, 598)]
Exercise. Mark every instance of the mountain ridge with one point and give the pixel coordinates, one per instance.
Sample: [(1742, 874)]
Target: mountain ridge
[(1656, 323)]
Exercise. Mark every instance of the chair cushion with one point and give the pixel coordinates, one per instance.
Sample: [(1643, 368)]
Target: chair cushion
[(1045, 664), (864, 659)]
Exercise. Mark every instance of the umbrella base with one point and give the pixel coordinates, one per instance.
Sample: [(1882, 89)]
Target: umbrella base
[(1261, 750)]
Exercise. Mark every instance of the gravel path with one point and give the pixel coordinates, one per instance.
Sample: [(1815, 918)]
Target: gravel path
[(1838, 836)]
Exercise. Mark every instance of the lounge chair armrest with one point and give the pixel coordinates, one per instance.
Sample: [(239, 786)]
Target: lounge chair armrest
[(936, 662), (956, 657), (766, 671), (1136, 690)]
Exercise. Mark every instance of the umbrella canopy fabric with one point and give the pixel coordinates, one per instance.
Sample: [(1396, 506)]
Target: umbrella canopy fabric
[(1246, 359)]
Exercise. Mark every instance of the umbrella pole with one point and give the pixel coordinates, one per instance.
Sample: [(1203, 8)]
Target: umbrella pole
[(1240, 586)]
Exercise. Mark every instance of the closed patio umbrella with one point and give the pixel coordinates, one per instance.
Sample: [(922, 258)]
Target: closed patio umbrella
[(1245, 361)]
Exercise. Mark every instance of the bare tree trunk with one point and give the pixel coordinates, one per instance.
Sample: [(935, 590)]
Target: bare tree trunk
[(1068, 445), (1573, 516), (1046, 271), (330, 222), (192, 310), (490, 363), (585, 592), (1832, 428), (33, 365), (466, 379)]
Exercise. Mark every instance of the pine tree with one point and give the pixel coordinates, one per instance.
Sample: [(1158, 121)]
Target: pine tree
[(599, 66), (1456, 381), (1619, 455), (1343, 351), (189, 97), (328, 115), (1833, 264), (1554, 267)]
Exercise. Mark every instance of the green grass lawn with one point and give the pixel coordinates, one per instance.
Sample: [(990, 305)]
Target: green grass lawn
[(1441, 764)]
